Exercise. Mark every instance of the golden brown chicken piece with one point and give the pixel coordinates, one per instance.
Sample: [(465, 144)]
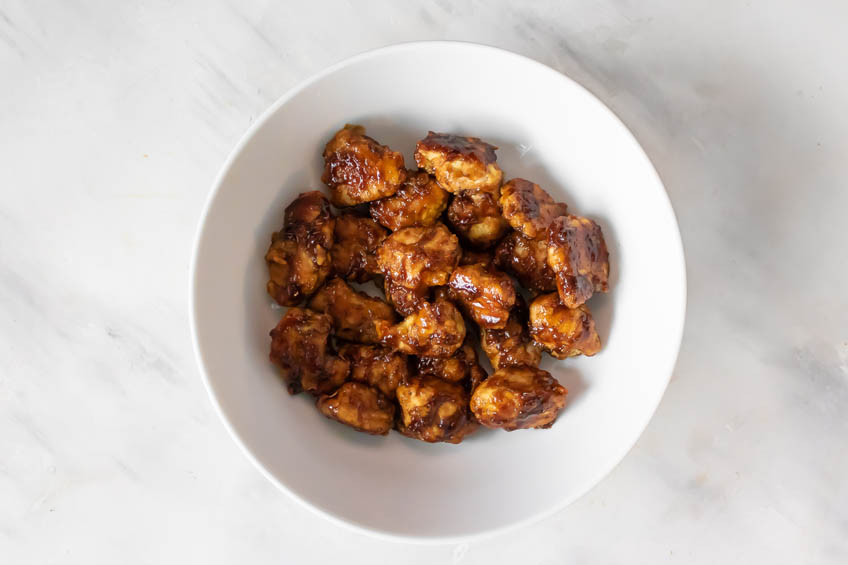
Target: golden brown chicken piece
[(299, 346), (528, 208), (577, 254), (360, 406), (353, 312), (436, 330), (475, 216), (471, 257), (358, 169), (354, 252), (462, 367), (407, 301), (298, 258), (527, 260), (515, 398), (486, 294), (377, 366), (434, 410), (418, 202), (459, 163), (563, 331), (512, 344), (416, 257)]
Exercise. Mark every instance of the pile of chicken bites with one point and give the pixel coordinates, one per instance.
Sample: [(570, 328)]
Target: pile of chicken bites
[(446, 243)]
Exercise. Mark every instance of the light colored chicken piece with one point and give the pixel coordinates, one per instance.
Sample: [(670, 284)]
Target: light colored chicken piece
[(353, 312), (528, 208), (563, 331), (462, 367), (475, 216), (419, 257), (418, 202), (434, 410), (299, 346), (486, 294), (377, 366), (515, 398), (358, 169), (527, 260), (354, 252), (512, 344), (436, 330), (459, 163), (359, 406), (577, 254), (407, 301)]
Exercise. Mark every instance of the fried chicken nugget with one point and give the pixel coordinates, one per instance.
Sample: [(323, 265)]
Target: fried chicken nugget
[(512, 344), (436, 330), (418, 257), (420, 202), (527, 260), (563, 331), (377, 366), (434, 410), (462, 367), (353, 312), (515, 398), (354, 252), (475, 216), (528, 208), (359, 406), (577, 254), (407, 301), (486, 294), (459, 163)]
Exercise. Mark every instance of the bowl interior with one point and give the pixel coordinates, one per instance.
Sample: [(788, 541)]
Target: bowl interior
[(549, 130)]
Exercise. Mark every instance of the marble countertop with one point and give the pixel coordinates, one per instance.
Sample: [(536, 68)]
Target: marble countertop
[(114, 119)]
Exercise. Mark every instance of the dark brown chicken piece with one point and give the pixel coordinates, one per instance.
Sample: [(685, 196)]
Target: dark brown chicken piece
[(407, 301), (418, 202), (434, 410), (416, 257), (377, 366), (486, 294), (563, 331), (527, 260), (358, 169), (577, 254), (353, 312), (475, 216), (462, 367), (354, 250), (512, 344), (471, 257), (528, 208), (515, 398), (459, 163), (436, 330), (359, 406), (299, 346)]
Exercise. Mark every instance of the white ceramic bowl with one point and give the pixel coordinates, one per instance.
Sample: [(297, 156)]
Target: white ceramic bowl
[(550, 130)]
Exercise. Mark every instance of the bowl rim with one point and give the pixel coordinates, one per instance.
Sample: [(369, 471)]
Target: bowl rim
[(193, 306)]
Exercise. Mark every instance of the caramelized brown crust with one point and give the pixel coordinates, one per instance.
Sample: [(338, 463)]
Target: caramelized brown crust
[(299, 346), (353, 312), (486, 294), (459, 163), (418, 202), (416, 257), (563, 331), (434, 410), (354, 250), (359, 406), (475, 216), (377, 366), (528, 208), (515, 398), (472, 257), (512, 344), (407, 301), (358, 169), (462, 367), (436, 330), (577, 254), (527, 260)]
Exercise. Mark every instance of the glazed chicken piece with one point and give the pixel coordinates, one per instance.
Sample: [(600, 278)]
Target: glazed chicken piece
[(515, 398), (354, 252), (436, 330), (358, 169), (359, 406), (459, 163), (298, 258), (353, 312), (299, 346), (563, 331), (418, 257), (407, 301), (418, 202), (527, 260), (471, 257), (434, 410), (486, 294), (528, 208), (475, 216), (376, 366), (577, 254), (462, 367), (512, 344)]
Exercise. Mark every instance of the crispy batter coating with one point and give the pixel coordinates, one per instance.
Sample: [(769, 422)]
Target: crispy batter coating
[(577, 254), (512, 344), (377, 366), (528, 208), (527, 260), (353, 312), (515, 398), (459, 163), (471, 257), (434, 410), (359, 406), (299, 346), (416, 257), (407, 301), (418, 202), (462, 367), (358, 169), (563, 331), (354, 252), (436, 330), (298, 258), (475, 216), (486, 294)]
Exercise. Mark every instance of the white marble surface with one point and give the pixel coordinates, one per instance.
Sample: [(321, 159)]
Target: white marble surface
[(114, 118)]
